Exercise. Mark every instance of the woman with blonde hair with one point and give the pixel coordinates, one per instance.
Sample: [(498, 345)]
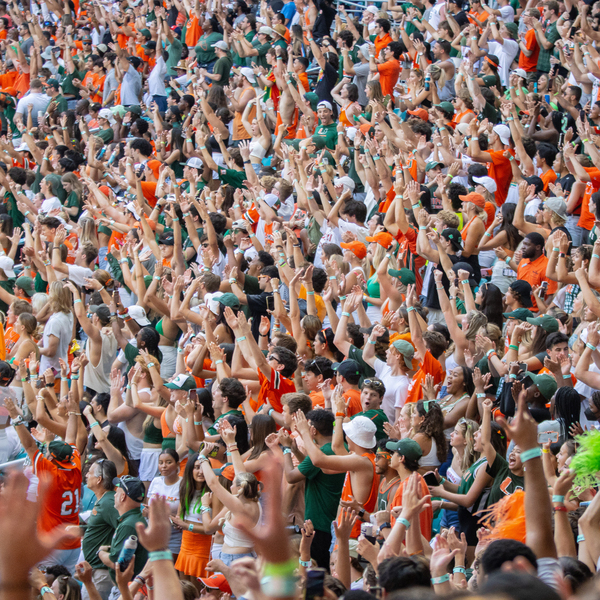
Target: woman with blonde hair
[(58, 331), (87, 232), (148, 401)]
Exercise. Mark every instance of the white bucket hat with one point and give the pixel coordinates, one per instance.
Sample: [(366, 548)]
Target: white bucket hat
[(361, 431)]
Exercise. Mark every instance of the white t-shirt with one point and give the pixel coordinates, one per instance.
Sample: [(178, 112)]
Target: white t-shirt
[(170, 493), (60, 325), (508, 13), (506, 53), (77, 274), (396, 389)]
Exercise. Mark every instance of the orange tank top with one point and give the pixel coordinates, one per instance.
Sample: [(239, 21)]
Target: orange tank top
[(371, 501)]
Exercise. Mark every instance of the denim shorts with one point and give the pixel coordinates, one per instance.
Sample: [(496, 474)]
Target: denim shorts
[(229, 558)]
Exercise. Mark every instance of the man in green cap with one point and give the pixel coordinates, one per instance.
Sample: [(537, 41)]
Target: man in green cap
[(59, 102), (541, 389), (520, 314)]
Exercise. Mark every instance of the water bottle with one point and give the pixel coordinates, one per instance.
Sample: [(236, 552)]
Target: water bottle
[(127, 552)]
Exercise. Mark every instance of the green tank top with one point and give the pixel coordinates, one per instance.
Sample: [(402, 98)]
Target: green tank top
[(373, 287), (168, 443), (159, 328), (152, 434)]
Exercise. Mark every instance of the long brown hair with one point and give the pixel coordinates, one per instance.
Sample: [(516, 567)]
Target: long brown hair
[(433, 426)]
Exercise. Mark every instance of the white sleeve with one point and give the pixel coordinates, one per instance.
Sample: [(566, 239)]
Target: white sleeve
[(401, 394), (379, 366)]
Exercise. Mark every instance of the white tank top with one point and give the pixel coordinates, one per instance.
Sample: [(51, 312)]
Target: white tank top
[(431, 459), (236, 538)]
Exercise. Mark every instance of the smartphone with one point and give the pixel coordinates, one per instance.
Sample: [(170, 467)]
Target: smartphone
[(213, 453), (547, 436), (315, 584), (367, 529), (270, 303), (543, 290), (582, 116), (431, 480)]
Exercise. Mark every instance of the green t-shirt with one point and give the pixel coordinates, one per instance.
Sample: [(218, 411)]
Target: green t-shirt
[(9, 286), (232, 177), (223, 68), (379, 418), (67, 83), (107, 135), (261, 59), (357, 355), (204, 52), (174, 51), (100, 529), (71, 201), (126, 528), (322, 492), (467, 481), (326, 136), (13, 211), (131, 352), (213, 430), (505, 481), (238, 61), (61, 103)]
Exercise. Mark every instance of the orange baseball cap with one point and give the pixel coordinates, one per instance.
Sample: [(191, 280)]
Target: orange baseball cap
[(419, 112), (475, 198), (357, 248), (383, 238), (218, 581), (154, 166)]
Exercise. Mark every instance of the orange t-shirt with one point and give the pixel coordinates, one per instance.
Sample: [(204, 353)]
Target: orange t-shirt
[(193, 31), (388, 75), (426, 517), (355, 405), (548, 177), (239, 131), (371, 501), (272, 389), (61, 504), (534, 273), (317, 398), (429, 366), (529, 63), (587, 218), (501, 172), (303, 79), (381, 43)]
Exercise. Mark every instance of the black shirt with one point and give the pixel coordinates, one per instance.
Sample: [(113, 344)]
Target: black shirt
[(324, 19), (257, 304), (432, 300), (327, 80)]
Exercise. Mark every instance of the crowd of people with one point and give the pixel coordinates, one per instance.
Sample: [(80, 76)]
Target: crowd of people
[(298, 300)]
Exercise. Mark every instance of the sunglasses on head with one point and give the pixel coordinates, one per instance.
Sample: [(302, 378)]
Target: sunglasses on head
[(314, 363), (373, 383)]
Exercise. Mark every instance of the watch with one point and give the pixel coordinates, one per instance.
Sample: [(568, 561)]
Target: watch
[(361, 513), (383, 526)]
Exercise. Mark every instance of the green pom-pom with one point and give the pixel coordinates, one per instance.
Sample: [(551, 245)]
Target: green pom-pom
[(586, 462)]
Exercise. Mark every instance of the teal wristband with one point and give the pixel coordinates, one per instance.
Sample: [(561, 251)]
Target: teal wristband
[(442, 579), (580, 538), (160, 555), (557, 498), (590, 346), (410, 308), (459, 570), (404, 522), (310, 293), (345, 314), (372, 342), (191, 527), (531, 453), (240, 339), (76, 301)]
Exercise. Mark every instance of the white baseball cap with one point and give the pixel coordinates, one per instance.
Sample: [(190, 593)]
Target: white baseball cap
[(326, 104), (248, 73), (266, 30), (503, 132), (138, 314), (7, 264), (221, 45), (346, 181), (372, 9), (487, 182), (361, 431)]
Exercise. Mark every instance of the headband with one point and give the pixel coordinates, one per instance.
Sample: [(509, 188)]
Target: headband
[(491, 62)]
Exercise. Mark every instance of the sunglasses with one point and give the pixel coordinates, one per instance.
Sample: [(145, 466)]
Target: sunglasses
[(314, 363), (273, 357), (373, 383)]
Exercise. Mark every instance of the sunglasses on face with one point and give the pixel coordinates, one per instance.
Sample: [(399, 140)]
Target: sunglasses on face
[(273, 357)]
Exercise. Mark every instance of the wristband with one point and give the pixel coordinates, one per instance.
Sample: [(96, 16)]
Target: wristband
[(530, 454), (439, 580), (197, 423), (270, 411), (507, 259), (595, 256), (372, 342), (310, 293), (513, 347), (410, 308), (580, 538), (305, 563), (150, 364), (62, 379), (45, 589), (94, 424), (480, 395), (333, 278), (558, 498), (23, 379), (191, 527), (465, 281), (74, 377), (160, 555), (561, 508), (206, 509), (487, 233), (555, 249), (240, 339), (567, 376), (415, 206), (287, 451), (218, 362), (421, 228), (562, 255), (404, 522), (76, 301), (459, 570), (512, 376), (345, 314), (451, 176), (591, 346), (340, 414)]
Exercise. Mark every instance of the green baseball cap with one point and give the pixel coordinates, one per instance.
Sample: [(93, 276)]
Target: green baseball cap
[(406, 447), (60, 451), (545, 383), (406, 276), (546, 322), (228, 299), (146, 33), (446, 107), (26, 284), (407, 350), (433, 164), (522, 314), (182, 382)]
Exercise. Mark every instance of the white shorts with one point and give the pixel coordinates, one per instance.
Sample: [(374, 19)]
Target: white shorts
[(149, 463)]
